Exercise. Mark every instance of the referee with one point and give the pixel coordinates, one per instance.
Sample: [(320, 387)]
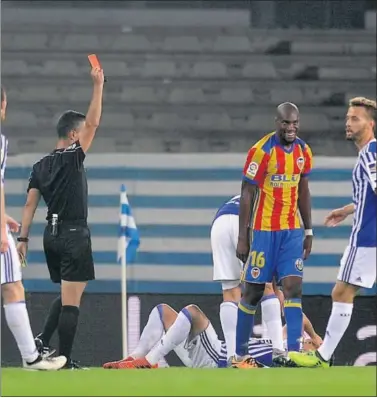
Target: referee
[(60, 179)]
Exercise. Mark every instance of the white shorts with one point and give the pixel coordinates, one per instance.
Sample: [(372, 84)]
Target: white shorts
[(224, 237), (10, 263), (203, 350), (358, 266)]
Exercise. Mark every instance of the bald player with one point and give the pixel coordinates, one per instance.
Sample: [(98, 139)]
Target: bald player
[(274, 189)]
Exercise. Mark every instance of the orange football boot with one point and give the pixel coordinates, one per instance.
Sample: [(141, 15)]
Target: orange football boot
[(140, 363), (114, 365), (247, 362)]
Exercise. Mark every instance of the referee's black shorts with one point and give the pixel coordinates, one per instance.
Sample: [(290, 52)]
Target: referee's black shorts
[(69, 254)]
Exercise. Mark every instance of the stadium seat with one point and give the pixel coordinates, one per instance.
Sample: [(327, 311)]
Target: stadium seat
[(139, 95), (14, 67), (59, 68), (259, 71), (236, 95), (230, 44), (188, 95), (159, 69), (182, 43), (346, 73), (24, 41), (129, 42), (89, 43), (207, 69)]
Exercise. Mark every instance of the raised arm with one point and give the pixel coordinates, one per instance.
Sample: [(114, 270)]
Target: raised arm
[(93, 115)]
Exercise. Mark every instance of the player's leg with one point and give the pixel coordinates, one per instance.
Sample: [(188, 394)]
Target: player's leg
[(357, 270), (76, 269), (258, 270), (271, 317), (227, 270), (160, 320), (16, 315), (290, 271), (189, 324), (42, 340)]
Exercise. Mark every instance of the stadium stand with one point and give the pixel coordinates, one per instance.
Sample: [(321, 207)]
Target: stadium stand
[(180, 89)]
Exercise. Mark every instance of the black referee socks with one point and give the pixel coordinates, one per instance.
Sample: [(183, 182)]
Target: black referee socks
[(68, 320)]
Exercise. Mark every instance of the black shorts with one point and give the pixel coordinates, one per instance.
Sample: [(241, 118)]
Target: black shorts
[(69, 254)]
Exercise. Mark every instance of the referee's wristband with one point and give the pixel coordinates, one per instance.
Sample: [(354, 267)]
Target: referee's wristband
[(22, 239), (308, 232)]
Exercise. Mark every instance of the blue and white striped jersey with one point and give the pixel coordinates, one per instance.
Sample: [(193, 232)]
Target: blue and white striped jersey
[(232, 206), (259, 349), (364, 198), (4, 154)]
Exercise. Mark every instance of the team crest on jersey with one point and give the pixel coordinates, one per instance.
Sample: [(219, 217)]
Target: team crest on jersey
[(255, 272), (300, 163), (253, 169), (299, 264)]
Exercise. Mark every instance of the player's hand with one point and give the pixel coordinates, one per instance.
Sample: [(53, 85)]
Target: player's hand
[(243, 249), (317, 341), (22, 251), (4, 244), (98, 76), (336, 217), (308, 242), (13, 225)]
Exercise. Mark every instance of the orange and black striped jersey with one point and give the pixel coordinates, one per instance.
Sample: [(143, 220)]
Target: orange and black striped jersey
[(277, 172)]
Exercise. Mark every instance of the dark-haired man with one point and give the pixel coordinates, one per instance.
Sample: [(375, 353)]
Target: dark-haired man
[(60, 179), (358, 264)]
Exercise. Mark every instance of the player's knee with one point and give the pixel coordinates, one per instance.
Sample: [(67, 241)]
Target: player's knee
[(268, 289), (71, 292), (194, 310), (232, 294), (343, 293), (292, 288), (252, 293), (13, 292)]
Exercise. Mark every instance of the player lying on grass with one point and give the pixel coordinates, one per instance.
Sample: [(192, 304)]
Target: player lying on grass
[(191, 335)]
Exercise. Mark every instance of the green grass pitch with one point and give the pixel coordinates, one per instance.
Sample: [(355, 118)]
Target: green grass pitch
[(337, 381)]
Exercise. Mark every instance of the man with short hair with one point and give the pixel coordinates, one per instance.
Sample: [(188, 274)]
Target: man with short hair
[(60, 178), (358, 265), (12, 289)]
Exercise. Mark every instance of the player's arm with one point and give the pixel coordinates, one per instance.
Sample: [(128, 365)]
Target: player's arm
[(368, 162), (305, 202), (93, 115), (253, 174), (32, 201), (309, 329)]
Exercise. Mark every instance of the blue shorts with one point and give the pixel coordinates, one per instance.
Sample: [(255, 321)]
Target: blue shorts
[(274, 254)]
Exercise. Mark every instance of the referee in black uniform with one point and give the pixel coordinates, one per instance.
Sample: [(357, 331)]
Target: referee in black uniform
[(60, 179)]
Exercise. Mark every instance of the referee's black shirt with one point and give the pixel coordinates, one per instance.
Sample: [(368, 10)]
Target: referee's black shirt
[(60, 177)]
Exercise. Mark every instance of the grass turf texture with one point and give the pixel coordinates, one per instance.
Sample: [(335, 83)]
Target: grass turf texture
[(337, 381)]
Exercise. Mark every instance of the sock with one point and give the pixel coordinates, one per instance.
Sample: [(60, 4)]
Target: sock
[(19, 324), (293, 318), (245, 324), (52, 321), (177, 333), (271, 316), (338, 323), (264, 333), (152, 333), (67, 326), (228, 319)]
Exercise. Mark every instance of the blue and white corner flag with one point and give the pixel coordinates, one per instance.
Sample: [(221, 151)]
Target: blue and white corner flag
[(129, 239)]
